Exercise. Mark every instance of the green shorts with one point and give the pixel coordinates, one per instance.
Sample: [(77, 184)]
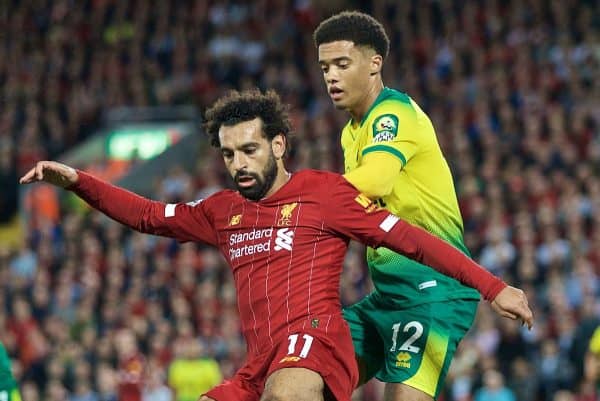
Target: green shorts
[(413, 346)]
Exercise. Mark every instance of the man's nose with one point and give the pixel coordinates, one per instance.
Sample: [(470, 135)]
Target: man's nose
[(239, 161), (331, 77)]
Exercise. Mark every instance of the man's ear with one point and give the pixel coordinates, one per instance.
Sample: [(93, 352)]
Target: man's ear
[(376, 64), (278, 145)]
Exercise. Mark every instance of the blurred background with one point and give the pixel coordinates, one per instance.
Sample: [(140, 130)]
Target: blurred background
[(91, 311)]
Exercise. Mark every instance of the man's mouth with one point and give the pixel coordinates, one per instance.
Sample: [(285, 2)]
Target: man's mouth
[(245, 181), (335, 93)]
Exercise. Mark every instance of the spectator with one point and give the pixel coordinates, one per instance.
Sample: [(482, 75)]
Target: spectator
[(83, 392), (524, 380), (510, 84), (106, 382), (192, 372), (563, 395), (555, 370), (155, 388), (493, 388), (131, 367)]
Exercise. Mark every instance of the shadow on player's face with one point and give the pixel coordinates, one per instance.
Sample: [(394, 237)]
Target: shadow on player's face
[(249, 158)]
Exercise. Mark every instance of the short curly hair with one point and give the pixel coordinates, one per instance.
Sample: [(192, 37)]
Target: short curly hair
[(356, 27), (237, 107)]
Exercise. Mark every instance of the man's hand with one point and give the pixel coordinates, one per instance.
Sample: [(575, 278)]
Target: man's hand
[(51, 172), (512, 303)]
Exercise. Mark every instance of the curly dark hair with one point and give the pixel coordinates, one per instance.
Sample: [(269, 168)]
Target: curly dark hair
[(237, 107), (353, 26)]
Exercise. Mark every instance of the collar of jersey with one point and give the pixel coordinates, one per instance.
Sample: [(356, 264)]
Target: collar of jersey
[(385, 92)]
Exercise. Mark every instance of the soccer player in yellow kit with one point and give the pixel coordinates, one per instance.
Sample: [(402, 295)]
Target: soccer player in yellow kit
[(406, 331)]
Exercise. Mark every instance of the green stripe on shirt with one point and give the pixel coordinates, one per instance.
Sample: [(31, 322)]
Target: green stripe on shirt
[(384, 148)]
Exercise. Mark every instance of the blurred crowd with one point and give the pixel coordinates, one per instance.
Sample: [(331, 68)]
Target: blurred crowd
[(90, 311)]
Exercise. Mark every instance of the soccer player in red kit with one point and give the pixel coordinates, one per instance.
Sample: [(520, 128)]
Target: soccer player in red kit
[(284, 236)]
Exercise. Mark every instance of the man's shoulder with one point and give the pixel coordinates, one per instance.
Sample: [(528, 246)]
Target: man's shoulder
[(225, 195), (390, 94), (316, 175), (314, 180), (392, 113), (392, 102)]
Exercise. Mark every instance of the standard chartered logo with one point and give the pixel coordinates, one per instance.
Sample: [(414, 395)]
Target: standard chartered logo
[(259, 241), (284, 239)]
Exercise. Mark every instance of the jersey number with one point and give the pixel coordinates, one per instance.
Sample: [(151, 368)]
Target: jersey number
[(407, 345), (292, 345)]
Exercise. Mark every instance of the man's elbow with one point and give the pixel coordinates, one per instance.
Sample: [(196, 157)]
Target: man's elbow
[(374, 184), (375, 190)]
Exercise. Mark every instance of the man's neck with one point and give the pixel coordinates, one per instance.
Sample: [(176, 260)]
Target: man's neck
[(360, 110), (283, 176)]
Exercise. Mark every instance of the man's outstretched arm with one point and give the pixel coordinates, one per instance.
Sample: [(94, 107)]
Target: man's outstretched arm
[(418, 244), (354, 215), (181, 221)]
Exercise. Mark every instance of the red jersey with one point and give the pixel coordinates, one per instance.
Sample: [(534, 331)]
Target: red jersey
[(131, 372), (286, 251)]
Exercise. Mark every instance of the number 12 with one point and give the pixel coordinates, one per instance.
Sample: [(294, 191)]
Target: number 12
[(407, 345)]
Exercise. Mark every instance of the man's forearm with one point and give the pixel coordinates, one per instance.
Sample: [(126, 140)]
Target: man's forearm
[(418, 244), (124, 206)]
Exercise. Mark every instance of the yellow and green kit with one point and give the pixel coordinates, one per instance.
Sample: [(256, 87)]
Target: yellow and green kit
[(408, 328)]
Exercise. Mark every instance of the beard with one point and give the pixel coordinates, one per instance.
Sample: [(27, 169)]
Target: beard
[(262, 183)]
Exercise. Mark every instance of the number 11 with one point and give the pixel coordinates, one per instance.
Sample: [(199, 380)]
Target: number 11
[(292, 346)]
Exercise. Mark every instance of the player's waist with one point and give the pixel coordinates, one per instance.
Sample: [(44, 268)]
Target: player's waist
[(261, 339), (407, 281), (403, 297), (282, 309)]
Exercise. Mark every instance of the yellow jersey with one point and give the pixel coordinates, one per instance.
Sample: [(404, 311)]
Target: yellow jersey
[(422, 194)]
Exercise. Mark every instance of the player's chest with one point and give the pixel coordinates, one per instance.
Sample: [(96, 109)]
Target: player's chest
[(256, 233)]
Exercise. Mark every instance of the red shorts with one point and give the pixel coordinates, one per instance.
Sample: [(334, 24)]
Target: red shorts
[(326, 350)]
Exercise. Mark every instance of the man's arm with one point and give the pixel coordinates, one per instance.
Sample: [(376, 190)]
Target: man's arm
[(393, 139), (181, 221), (359, 218), (416, 243), (376, 175)]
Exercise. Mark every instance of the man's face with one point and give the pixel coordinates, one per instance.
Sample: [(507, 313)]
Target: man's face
[(249, 158), (347, 70)]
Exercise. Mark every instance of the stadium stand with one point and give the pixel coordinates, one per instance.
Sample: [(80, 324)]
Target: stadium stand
[(91, 311)]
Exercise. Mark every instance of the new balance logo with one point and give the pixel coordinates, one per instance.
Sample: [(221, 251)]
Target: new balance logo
[(284, 239)]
